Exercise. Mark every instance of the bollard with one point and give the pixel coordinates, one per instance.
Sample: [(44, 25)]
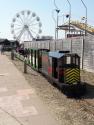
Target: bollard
[(25, 66), (12, 54)]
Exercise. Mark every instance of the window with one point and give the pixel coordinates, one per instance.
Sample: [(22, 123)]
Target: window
[(73, 60), (77, 61), (68, 60)]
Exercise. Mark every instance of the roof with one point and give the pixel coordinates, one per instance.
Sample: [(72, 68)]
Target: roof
[(13, 40), (60, 54), (56, 54), (66, 27), (2, 40)]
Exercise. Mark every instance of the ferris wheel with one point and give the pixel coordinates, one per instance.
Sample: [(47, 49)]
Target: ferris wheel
[(25, 26)]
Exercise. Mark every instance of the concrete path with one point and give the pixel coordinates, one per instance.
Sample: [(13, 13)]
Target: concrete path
[(19, 104)]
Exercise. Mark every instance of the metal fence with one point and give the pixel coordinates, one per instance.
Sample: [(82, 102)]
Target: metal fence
[(84, 47)]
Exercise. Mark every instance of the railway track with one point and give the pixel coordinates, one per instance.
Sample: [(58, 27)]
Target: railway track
[(86, 106)]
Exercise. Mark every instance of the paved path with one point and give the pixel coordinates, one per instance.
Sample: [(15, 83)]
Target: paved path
[(19, 104)]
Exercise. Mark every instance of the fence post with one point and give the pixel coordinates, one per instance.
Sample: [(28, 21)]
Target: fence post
[(55, 45), (71, 45), (12, 54), (62, 44), (83, 44), (25, 66), (49, 45)]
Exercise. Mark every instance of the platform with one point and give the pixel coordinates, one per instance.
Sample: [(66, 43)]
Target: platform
[(19, 104)]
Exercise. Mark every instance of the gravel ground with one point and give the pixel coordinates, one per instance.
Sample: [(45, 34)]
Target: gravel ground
[(67, 111)]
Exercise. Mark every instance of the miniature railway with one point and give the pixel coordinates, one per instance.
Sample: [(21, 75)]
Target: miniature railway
[(61, 67)]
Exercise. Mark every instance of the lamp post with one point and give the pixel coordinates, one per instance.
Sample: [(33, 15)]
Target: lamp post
[(54, 21), (85, 18), (55, 5), (57, 10), (69, 13), (85, 34)]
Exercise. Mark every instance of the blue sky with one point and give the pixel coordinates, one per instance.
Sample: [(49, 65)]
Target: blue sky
[(43, 8)]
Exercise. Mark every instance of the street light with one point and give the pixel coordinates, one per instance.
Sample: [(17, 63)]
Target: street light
[(55, 5), (54, 21), (85, 18), (85, 33), (57, 11), (69, 14)]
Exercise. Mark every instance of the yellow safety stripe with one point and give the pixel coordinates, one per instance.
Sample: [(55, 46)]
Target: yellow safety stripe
[(72, 75)]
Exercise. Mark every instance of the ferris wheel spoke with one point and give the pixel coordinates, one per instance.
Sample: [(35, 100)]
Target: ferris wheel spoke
[(33, 15), (26, 18), (32, 21), (21, 19), (18, 28), (23, 36), (28, 36), (30, 33), (34, 24), (26, 15), (34, 28), (34, 32), (19, 36), (29, 19), (17, 25), (17, 32)]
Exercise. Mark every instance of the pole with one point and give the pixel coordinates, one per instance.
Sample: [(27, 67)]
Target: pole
[(85, 17), (12, 54), (25, 65), (55, 5), (57, 10), (54, 21), (85, 32), (69, 14)]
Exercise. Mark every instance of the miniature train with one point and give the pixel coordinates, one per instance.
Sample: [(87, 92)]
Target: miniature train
[(62, 68)]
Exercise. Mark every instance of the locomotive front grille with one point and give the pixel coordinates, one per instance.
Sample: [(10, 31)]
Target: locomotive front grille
[(72, 75)]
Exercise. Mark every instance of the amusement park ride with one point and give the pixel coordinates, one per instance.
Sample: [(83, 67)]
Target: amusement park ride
[(76, 29), (25, 26)]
